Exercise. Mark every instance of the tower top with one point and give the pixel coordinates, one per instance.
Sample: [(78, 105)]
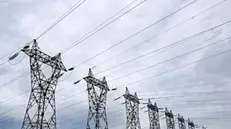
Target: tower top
[(134, 98), (149, 102), (127, 91), (136, 95), (155, 104), (90, 73), (35, 45), (104, 79), (102, 84), (37, 54)]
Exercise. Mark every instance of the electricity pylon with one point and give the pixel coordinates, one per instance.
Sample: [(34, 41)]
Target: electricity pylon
[(97, 117), (41, 109), (132, 110), (169, 119), (181, 122), (191, 124), (153, 112)]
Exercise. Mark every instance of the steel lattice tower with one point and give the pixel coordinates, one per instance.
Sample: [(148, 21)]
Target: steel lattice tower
[(191, 124), (169, 119), (41, 109), (132, 110), (97, 117), (181, 122), (153, 112)]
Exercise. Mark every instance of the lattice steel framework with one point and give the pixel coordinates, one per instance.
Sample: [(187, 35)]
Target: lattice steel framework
[(181, 122), (41, 109), (191, 124), (169, 119), (97, 117), (153, 112), (132, 110)]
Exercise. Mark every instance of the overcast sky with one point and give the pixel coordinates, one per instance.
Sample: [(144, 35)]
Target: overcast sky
[(199, 91)]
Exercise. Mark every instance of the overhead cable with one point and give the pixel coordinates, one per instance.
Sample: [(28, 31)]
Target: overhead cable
[(133, 35)]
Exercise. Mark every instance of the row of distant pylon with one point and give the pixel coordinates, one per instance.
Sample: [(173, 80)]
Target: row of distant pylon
[(97, 109), (42, 98), (132, 107)]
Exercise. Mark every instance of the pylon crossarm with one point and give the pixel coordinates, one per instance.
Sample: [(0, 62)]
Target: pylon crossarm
[(131, 98), (54, 62), (96, 82)]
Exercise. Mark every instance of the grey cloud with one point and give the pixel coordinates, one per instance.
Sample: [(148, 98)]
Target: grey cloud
[(25, 19)]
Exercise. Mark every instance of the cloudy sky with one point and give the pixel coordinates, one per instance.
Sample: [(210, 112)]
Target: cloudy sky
[(181, 61)]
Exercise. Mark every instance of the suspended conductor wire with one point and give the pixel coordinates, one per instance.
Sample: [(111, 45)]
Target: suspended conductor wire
[(155, 36), (175, 69), (203, 12), (107, 113), (167, 46), (6, 100), (133, 35), (3, 63), (173, 58), (19, 77), (73, 8), (69, 12), (180, 67), (215, 101), (14, 79), (72, 114), (58, 102), (187, 95), (134, 8), (101, 24), (26, 73), (192, 85), (89, 34), (67, 76), (58, 110), (105, 22)]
